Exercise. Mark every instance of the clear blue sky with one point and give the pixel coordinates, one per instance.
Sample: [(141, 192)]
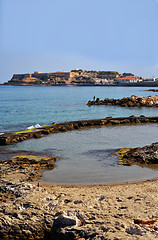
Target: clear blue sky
[(60, 35)]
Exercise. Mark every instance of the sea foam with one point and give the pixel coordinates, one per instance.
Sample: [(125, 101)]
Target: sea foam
[(35, 126)]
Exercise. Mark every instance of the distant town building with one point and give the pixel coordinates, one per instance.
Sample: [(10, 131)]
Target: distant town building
[(130, 79), (149, 80)]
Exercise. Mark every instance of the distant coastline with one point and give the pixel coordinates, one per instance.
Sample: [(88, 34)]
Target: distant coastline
[(78, 77), (154, 84)]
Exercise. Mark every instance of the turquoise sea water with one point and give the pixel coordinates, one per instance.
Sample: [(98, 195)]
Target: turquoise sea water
[(85, 156), (21, 107)]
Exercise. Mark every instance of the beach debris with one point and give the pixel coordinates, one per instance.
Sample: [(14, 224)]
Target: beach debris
[(67, 200), (60, 195), (148, 222), (135, 231), (28, 205), (36, 126), (79, 220), (78, 201), (50, 198), (101, 198), (118, 199), (52, 205)]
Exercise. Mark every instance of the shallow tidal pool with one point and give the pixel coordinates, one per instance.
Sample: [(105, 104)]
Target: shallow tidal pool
[(85, 156)]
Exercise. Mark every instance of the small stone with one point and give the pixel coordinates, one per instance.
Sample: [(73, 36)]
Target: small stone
[(78, 201), (100, 198), (27, 232), (67, 200), (134, 231), (64, 221)]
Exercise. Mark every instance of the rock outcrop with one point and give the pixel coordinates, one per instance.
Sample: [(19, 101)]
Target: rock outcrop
[(152, 90), (140, 155), (132, 101), (28, 166)]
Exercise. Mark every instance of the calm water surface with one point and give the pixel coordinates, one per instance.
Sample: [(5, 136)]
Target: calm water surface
[(85, 156), (21, 107)]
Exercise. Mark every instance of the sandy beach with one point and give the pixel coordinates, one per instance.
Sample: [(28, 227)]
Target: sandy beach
[(31, 209), (35, 210), (109, 211)]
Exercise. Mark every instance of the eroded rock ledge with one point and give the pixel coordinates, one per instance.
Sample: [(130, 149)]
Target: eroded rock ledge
[(27, 167), (15, 137), (132, 101), (140, 155)]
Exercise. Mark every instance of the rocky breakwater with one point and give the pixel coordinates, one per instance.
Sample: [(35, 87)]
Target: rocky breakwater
[(152, 90), (141, 155), (132, 101), (15, 137)]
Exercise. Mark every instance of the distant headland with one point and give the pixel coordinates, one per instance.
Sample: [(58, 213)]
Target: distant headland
[(78, 77)]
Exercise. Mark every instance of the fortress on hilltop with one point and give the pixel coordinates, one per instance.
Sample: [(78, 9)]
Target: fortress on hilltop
[(80, 77)]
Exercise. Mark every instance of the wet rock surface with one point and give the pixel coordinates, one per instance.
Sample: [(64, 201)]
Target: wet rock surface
[(152, 90), (26, 167), (15, 137), (132, 101), (142, 155)]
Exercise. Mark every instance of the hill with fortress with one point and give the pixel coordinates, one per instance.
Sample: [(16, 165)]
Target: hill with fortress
[(79, 77)]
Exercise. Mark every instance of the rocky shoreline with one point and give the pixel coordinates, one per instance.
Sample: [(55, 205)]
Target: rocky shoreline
[(26, 166), (132, 101), (31, 210), (15, 137), (141, 155)]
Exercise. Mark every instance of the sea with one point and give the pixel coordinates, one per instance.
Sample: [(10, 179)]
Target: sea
[(85, 156)]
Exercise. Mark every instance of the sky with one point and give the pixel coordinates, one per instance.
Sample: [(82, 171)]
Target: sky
[(59, 35)]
